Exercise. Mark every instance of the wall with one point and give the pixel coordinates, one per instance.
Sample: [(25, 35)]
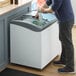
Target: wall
[(1, 0), (74, 8)]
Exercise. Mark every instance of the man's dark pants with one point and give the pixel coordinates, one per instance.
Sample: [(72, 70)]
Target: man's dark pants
[(65, 35)]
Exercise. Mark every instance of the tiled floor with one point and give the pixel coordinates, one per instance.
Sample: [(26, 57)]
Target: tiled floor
[(51, 69)]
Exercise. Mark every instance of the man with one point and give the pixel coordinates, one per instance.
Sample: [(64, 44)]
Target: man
[(64, 13)]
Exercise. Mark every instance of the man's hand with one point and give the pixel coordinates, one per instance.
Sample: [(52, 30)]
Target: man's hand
[(42, 9), (45, 10), (36, 15)]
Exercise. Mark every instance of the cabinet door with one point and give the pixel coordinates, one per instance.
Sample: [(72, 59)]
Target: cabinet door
[(2, 43)]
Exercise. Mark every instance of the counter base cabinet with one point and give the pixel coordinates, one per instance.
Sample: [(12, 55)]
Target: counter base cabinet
[(4, 32), (2, 44)]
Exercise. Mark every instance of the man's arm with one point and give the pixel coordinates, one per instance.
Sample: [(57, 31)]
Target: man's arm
[(55, 6), (46, 10), (45, 7), (48, 2)]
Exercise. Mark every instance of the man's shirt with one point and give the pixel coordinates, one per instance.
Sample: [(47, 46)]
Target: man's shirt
[(62, 9)]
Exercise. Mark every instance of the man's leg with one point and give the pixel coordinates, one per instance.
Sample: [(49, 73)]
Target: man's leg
[(67, 45)]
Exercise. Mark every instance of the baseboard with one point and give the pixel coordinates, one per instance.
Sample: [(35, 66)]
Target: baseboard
[(3, 66)]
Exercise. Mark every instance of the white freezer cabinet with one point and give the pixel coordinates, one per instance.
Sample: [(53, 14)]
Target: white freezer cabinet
[(34, 42)]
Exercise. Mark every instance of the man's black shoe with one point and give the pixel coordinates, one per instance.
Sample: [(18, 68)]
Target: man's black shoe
[(59, 63), (65, 70)]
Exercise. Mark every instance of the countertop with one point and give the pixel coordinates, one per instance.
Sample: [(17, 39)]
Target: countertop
[(10, 7)]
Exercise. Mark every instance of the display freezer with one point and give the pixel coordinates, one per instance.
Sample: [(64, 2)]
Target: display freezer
[(34, 42)]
